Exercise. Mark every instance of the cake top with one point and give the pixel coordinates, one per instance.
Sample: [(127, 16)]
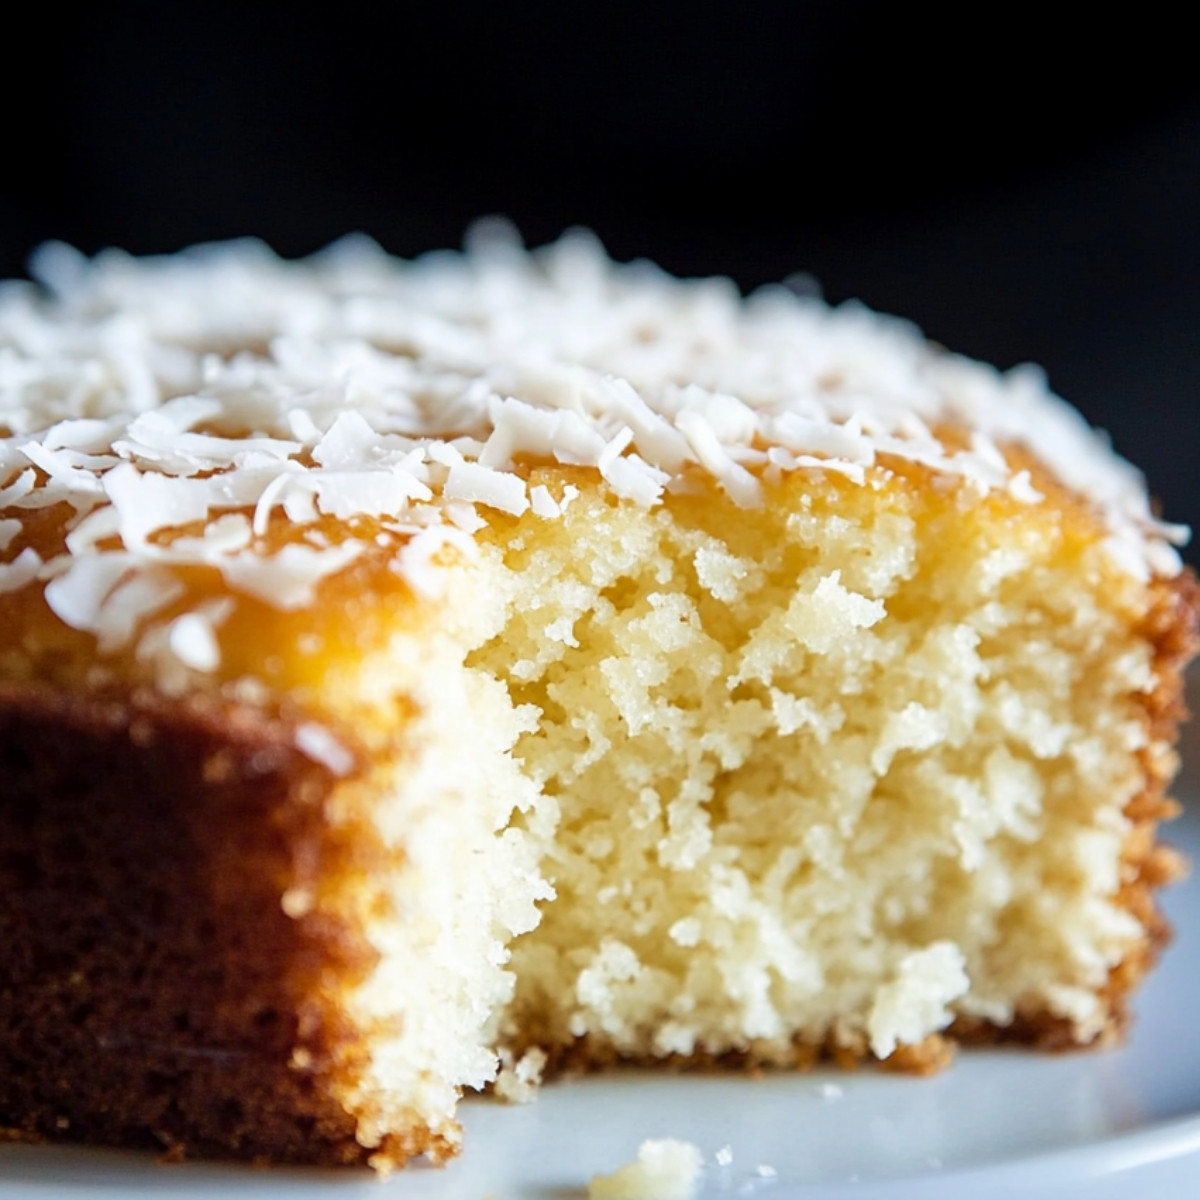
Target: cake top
[(183, 408)]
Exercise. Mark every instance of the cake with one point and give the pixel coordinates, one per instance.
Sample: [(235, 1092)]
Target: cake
[(422, 677)]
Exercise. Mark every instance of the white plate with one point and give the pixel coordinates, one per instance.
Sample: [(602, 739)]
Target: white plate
[(1120, 1125)]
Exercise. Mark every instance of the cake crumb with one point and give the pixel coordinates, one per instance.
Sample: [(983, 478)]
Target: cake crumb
[(665, 1169), (916, 1002), (518, 1081)]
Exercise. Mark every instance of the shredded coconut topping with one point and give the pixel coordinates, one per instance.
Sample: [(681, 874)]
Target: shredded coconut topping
[(180, 406)]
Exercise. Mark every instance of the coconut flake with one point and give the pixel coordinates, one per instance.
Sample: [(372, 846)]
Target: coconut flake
[(10, 527), (482, 485), (632, 478), (742, 487), (76, 596), (542, 503), (318, 743), (75, 485), (284, 487), (656, 439), (417, 560), (463, 515), (147, 503), (224, 536), (188, 644), (127, 605), (288, 579), (88, 436), (346, 494), (19, 489), (809, 438), (167, 401), (1020, 487), (193, 641), (519, 428), (22, 570)]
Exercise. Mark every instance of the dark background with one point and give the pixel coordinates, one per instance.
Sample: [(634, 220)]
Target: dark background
[(1023, 191)]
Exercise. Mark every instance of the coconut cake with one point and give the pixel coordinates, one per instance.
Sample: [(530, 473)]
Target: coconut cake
[(420, 677)]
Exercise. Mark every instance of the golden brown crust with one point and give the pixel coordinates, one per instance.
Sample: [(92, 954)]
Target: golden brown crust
[(587, 1055), (1171, 628), (152, 990)]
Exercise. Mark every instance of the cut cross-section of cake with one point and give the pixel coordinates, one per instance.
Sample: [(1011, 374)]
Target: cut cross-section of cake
[(415, 677)]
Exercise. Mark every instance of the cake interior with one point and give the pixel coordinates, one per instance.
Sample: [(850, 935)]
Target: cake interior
[(825, 775), (828, 774)]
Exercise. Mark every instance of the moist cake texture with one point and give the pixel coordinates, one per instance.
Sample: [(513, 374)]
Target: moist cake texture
[(417, 677)]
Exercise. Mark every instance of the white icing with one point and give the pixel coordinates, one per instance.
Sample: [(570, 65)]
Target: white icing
[(169, 401)]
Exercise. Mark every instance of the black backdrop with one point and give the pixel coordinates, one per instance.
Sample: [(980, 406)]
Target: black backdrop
[(1022, 190)]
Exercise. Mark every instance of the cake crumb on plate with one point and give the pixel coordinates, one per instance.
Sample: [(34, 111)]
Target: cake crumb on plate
[(665, 1169)]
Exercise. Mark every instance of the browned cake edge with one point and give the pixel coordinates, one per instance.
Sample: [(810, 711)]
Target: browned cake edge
[(154, 993)]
